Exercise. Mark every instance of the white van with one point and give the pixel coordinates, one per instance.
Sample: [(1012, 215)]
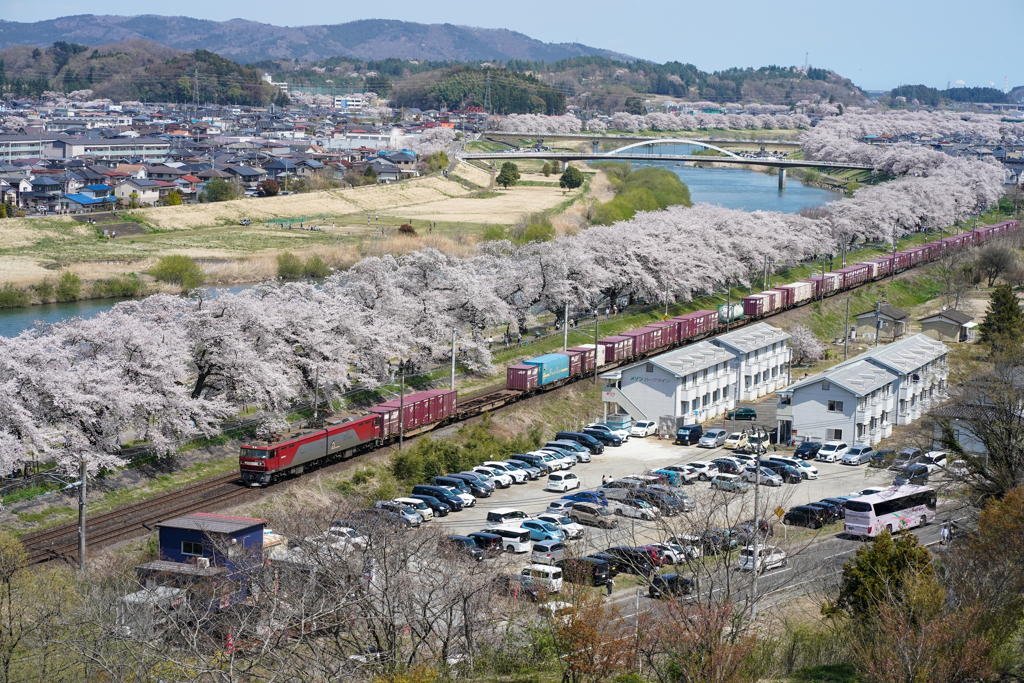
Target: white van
[(548, 576), (514, 538)]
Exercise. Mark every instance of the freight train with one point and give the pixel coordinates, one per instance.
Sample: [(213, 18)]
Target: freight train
[(293, 453)]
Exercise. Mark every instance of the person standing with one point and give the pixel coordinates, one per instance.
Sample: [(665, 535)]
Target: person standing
[(609, 586), (944, 535)]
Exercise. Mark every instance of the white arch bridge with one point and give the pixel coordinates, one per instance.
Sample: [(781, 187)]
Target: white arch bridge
[(632, 152)]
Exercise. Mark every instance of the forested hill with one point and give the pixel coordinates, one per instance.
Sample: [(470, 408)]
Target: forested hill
[(250, 41)]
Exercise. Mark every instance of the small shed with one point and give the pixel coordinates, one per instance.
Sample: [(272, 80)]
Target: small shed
[(205, 538), (949, 326), (891, 322)]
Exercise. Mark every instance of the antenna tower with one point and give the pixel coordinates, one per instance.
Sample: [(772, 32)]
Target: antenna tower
[(807, 62), (195, 94)]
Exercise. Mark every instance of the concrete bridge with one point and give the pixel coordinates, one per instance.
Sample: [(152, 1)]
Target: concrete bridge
[(721, 142), (626, 154)]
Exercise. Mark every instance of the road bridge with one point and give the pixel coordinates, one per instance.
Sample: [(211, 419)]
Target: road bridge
[(721, 142)]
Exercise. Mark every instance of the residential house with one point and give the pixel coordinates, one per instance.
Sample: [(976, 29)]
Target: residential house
[(146, 192), (761, 358), (248, 176), (891, 323), (859, 400), (949, 326)]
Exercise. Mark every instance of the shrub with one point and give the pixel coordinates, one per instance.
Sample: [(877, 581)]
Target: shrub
[(493, 233), (546, 170), (315, 267), (438, 161), (173, 198), (571, 178), (406, 229), (3, 211), (289, 266), (219, 190), (12, 297), (179, 270), (45, 290), (129, 285), (69, 287), (269, 188), (20, 214)]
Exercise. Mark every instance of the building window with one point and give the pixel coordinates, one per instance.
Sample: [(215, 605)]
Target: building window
[(714, 395), (191, 548), (885, 416), (825, 386), (705, 375), (650, 367), (903, 406), (835, 406), (746, 381), (834, 434), (725, 392), (707, 399), (860, 431)]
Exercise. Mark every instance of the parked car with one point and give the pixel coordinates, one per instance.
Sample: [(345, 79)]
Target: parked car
[(465, 544), (749, 528), (916, 474), (686, 502), (568, 527), (595, 515), (632, 560), (728, 466), (581, 452), (562, 481), (742, 414), (530, 471), (869, 491), (479, 487), (934, 460), (736, 440), (689, 434), (500, 477), (438, 507), (858, 455), (623, 434), (560, 506), (904, 457), (589, 571), (808, 450), (729, 482), (832, 451), (767, 557), (644, 428), (838, 503), (518, 475), (604, 437), (882, 458), (568, 457), (548, 576), (489, 543), (830, 511), (805, 515), (634, 508), (677, 474), (806, 469), (691, 545), (669, 586), (519, 586), (666, 503), (502, 515), (790, 475), (408, 515), (613, 563), (716, 539), (441, 493), (421, 508), (538, 461), (594, 497), (763, 476), (713, 438), (548, 552), (704, 470), (595, 446)]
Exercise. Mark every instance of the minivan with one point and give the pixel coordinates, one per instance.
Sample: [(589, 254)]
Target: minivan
[(503, 515), (595, 515), (548, 576), (459, 484), (585, 570), (713, 438), (806, 469), (595, 446), (689, 434), (477, 487), (548, 552), (537, 461), (858, 455), (833, 451), (515, 539), (440, 493)]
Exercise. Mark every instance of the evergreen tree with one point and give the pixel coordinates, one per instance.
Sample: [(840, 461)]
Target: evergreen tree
[(1003, 326), (508, 175), (571, 178)]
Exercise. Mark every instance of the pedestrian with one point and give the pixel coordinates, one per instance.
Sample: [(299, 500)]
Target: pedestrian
[(609, 586), (944, 535), (490, 340)]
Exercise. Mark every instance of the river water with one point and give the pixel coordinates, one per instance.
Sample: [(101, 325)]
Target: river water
[(732, 188)]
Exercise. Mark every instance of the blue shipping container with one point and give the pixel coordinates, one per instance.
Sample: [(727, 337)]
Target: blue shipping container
[(552, 367)]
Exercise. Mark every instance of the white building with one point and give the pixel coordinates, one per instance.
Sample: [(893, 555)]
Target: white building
[(695, 381), (858, 401), (761, 359)]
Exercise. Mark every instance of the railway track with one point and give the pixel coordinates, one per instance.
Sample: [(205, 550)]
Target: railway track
[(61, 542)]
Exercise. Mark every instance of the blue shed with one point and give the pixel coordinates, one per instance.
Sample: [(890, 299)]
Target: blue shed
[(226, 541), (551, 368)]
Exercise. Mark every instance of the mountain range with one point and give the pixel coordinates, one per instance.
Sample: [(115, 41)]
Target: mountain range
[(250, 41)]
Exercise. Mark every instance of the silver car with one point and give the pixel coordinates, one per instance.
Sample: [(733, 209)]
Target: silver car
[(767, 478), (713, 438)]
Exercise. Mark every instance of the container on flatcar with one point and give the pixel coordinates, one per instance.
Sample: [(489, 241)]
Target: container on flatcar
[(575, 362), (588, 354), (828, 284), (669, 331), (783, 297), (730, 313), (697, 323), (753, 305), (772, 302), (854, 275), (417, 410), (552, 367), (616, 348), (522, 377), (902, 260), (644, 339)]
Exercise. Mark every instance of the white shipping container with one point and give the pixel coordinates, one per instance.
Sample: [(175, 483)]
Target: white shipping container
[(802, 291)]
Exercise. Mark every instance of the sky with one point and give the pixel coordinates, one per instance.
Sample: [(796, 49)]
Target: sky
[(879, 44)]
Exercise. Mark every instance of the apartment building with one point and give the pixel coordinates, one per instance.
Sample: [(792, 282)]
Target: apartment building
[(761, 359)]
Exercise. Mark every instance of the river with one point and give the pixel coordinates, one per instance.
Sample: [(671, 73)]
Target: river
[(733, 188)]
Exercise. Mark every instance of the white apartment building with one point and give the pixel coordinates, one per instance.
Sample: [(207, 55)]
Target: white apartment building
[(858, 401), (761, 359), (695, 381)]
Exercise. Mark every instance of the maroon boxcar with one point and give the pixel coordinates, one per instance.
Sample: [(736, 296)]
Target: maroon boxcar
[(522, 377), (575, 362), (669, 331), (903, 260), (828, 284), (783, 296), (616, 348), (854, 275), (753, 305), (644, 339), (417, 410), (697, 323), (587, 357)]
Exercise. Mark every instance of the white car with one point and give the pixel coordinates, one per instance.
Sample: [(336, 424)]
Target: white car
[(560, 507), (690, 543), (675, 553), (713, 438), (935, 460), (468, 500), (419, 506), (705, 470), (500, 477), (642, 429), (570, 528), (631, 507), (347, 536), (833, 451), (768, 557), (611, 431), (959, 468), (518, 476), (743, 458), (562, 482), (555, 460)]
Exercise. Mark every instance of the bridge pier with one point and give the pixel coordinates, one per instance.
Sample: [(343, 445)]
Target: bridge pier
[(782, 178), (596, 144)]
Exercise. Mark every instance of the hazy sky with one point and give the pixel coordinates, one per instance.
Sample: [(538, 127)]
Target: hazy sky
[(879, 44)]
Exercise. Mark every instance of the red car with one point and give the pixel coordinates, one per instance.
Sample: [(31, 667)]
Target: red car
[(656, 553)]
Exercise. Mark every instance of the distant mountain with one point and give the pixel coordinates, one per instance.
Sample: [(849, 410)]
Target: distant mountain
[(250, 41)]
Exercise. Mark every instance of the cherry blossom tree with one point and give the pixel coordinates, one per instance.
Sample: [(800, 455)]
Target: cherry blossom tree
[(807, 348)]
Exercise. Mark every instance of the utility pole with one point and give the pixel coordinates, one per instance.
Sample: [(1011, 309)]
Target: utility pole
[(878, 320), (846, 331), (757, 523), (401, 406), (893, 269), (728, 305), (316, 399), (666, 299), (81, 514), (596, 337), (453, 359), (565, 328)]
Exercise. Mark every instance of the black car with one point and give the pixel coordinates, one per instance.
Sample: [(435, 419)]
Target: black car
[(603, 437), (665, 502), (789, 474), (460, 485), (831, 511), (808, 450), (805, 515), (903, 458), (689, 434), (882, 458), (476, 487), (912, 474), (489, 543), (441, 493), (728, 466), (632, 560), (519, 586), (670, 586), (534, 461), (716, 539), (439, 508), (612, 562), (838, 502), (465, 544), (590, 571), (592, 444)]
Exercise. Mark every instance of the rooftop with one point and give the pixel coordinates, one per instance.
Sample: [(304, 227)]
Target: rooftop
[(886, 311), (754, 337), (951, 315), (687, 359), (212, 523)]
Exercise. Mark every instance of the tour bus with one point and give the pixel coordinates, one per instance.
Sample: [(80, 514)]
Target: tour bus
[(894, 509)]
